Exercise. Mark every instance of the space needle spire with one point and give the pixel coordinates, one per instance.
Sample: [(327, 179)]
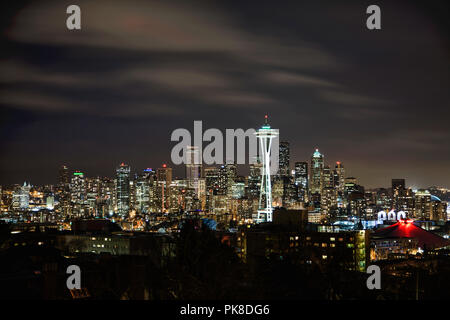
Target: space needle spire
[(265, 136)]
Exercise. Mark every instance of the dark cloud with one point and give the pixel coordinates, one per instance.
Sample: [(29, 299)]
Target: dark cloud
[(114, 91)]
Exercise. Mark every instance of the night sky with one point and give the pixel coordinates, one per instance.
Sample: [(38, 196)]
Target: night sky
[(113, 92)]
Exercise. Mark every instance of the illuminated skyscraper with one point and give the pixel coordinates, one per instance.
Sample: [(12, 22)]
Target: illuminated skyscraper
[(301, 180), (339, 177), (143, 183), (164, 178), (284, 159), (265, 136), (327, 178), (254, 180), (316, 172), (423, 207), (78, 193), (193, 167), (21, 197), (123, 189), (63, 176), (222, 181), (231, 177), (63, 190)]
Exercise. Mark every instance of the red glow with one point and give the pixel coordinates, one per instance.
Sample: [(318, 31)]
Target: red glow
[(407, 229), (338, 162), (266, 116), (164, 165)]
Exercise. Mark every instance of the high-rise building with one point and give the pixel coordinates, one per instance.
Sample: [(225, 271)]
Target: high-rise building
[(231, 177), (222, 181), (63, 191), (211, 185), (422, 205), (254, 180), (21, 197), (327, 178), (78, 194), (328, 201), (63, 176), (401, 197), (93, 186), (339, 177), (193, 167), (284, 159), (316, 172), (301, 180), (143, 183), (164, 178), (301, 174), (123, 189)]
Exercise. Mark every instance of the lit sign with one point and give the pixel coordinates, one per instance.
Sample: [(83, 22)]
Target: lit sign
[(391, 216)]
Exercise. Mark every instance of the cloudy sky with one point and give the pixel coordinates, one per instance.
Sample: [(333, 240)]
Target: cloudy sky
[(113, 92)]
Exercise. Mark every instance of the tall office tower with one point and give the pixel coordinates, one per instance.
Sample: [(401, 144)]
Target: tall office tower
[(339, 177), (438, 209), (63, 190), (231, 177), (398, 194), (123, 189), (265, 136), (93, 186), (222, 181), (63, 176), (301, 174), (107, 198), (78, 194), (328, 201), (254, 180), (164, 177), (284, 159), (301, 180), (423, 207), (211, 178), (383, 199), (133, 194), (211, 185), (21, 197), (193, 167), (316, 172), (142, 191), (327, 177)]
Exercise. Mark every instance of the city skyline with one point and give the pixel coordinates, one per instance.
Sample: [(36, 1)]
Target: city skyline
[(243, 170), (375, 100)]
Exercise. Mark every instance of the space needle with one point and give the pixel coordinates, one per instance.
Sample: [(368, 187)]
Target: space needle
[(265, 135)]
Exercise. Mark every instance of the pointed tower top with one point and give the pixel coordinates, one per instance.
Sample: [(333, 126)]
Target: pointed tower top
[(266, 120)]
